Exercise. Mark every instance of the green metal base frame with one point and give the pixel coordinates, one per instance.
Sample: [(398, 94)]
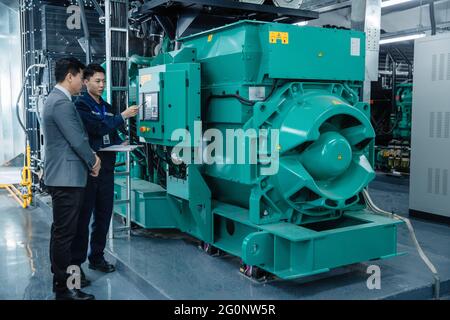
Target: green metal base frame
[(150, 207), (283, 249), (290, 251)]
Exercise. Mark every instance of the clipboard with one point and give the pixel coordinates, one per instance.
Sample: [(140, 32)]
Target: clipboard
[(120, 148)]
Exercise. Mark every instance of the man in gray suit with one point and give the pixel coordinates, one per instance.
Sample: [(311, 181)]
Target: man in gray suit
[(68, 161)]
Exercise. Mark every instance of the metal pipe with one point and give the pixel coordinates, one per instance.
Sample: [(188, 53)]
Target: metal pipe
[(128, 169), (409, 5), (442, 25), (400, 52), (387, 10), (394, 80), (37, 160), (389, 73), (87, 38), (108, 50), (98, 9), (366, 17), (394, 87), (410, 66), (432, 18), (11, 189), (21, 92)]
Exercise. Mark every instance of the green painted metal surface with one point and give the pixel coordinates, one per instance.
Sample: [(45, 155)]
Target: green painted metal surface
[(290, 251), (177, 90), (402, 120), (150, 207), (301, 82), (254, 50)]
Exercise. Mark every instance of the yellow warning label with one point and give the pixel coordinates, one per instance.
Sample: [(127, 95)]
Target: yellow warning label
[(210, 37), (275, 36), (145, 78)]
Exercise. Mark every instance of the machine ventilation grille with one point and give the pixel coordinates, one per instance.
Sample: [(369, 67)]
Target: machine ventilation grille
[(444, 182), (441, 66), (439, 125), (438, 181), (447, 125), (438, 70)]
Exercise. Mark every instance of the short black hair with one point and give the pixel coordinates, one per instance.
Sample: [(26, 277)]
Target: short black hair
[(65, 66), (91, 69)]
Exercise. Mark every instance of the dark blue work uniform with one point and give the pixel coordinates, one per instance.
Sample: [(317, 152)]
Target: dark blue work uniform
[(101, 124)]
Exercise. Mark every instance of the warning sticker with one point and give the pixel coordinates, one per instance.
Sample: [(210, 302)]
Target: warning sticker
[(210, 37), (275, 37), (145, 78), (355, 47)]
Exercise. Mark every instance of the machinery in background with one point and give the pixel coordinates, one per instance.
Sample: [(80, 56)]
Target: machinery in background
[(395, 156), (391, 111), (53, 38), (401, 121), (309, 215), (429, 183)]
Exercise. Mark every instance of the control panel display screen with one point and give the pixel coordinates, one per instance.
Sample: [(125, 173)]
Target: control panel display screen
[(150, 107)]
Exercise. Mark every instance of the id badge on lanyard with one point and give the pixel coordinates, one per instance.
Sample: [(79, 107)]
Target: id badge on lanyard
[(106, 139)]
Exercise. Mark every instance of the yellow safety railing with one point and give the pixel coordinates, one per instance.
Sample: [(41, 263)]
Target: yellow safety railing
[(25, 195)]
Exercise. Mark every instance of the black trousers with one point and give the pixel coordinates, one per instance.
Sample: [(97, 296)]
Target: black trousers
[(98, 203), (67, 203)]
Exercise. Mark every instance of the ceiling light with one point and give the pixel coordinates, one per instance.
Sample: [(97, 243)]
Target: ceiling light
[(390, 3), (402, 38)]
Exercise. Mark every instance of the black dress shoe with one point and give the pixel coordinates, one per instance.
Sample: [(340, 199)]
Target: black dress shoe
[(84, 281), (74, 294), (103, 266)]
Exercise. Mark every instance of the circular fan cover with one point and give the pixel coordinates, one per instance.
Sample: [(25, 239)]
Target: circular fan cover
[(322, 153)]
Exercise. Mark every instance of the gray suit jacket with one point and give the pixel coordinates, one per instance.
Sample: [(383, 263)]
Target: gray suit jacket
[(68, 156)]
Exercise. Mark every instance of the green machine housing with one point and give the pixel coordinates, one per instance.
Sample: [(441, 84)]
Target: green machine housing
[(401, 120), (301, 82)]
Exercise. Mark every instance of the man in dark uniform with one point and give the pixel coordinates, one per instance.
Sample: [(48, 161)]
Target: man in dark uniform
[(101, 123)]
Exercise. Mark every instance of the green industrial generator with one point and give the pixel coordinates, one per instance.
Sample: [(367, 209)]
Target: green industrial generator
[(259, 146), (401, 121), (397, 154)]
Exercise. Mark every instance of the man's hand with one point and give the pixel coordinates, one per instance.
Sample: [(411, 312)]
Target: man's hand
[(130, 112), (96, 167), (125, 143)]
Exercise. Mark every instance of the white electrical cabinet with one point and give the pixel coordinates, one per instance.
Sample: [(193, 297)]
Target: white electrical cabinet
[(430, 135)]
